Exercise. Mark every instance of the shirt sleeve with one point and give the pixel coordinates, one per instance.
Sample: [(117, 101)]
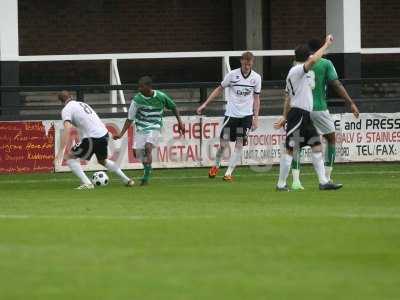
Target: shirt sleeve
[(169, 103), (66, 113), (299, 71), (331, 72), (295, 73), (257, 88), (132, 110), (227, 81)]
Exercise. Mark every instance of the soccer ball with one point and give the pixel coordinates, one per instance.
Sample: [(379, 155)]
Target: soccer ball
[(100, 178)]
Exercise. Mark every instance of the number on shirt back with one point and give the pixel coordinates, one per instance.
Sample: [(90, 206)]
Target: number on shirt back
[(86, 108)]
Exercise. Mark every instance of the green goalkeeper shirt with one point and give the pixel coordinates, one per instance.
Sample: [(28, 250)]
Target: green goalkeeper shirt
[(147, 112), (324, 72)]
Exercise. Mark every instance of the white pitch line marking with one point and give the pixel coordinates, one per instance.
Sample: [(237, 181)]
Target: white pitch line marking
[(177, 217), (350, 173)]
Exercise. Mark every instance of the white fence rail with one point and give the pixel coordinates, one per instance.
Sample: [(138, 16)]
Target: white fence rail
[(114, 57), (380, 51)]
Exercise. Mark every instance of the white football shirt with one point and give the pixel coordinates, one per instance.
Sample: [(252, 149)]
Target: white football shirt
[(240, 92), (299, 86), (83, 117)]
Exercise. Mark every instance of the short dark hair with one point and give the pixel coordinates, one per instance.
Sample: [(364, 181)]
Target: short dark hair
[(314, 44), (302, 52), (247, 55), (64, 96), (146, 80)]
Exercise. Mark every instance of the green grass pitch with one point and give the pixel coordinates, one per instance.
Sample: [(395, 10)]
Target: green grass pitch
[(188, 237)]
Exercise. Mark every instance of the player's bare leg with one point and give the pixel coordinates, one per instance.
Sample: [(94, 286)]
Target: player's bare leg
[(330, 154), (113, 167), (223, 145), (76, 168)]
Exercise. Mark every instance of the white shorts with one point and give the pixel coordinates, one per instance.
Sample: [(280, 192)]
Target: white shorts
[(141, 138), (323, 122)]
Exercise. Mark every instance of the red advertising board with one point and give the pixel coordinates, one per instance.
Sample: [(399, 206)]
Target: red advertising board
[(26, 147)]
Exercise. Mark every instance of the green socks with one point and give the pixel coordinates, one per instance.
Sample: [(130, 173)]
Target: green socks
[(296, 161), (330, 155), (147, 171), (329, 160), (295, 164), (296, 170)]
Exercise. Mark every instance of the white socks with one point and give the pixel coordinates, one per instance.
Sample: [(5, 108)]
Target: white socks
[(328, 172), (235, 158), (296, 175), (319, 167), (113, 167), (285, 163), (76, 168), (218, 156)]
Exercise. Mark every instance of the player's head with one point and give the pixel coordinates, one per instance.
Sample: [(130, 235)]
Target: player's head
[(247, 61), (301, 53), (64, 97), (314, 45), (145, 85)]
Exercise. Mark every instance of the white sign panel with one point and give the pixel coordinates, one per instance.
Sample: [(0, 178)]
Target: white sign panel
[(372, 137)]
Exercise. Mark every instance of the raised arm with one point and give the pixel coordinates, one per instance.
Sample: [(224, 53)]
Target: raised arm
[(317, 55)]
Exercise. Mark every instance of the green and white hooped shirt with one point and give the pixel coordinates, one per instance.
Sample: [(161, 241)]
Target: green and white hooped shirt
[(147, 112)]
